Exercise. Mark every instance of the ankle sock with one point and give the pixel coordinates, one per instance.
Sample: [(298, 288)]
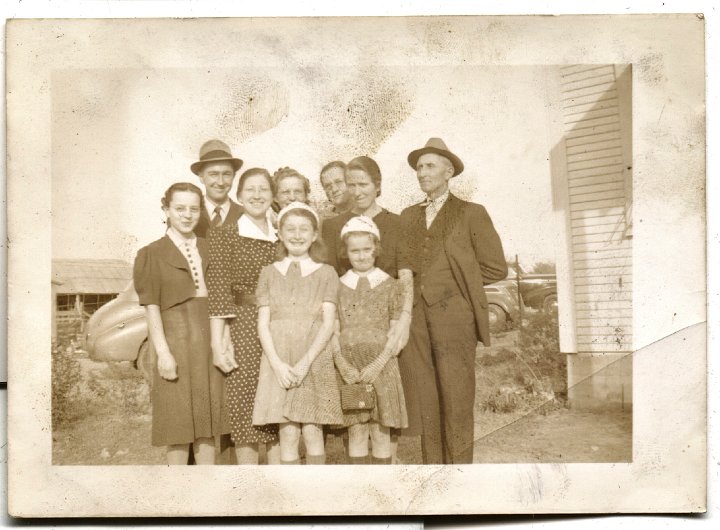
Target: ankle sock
[(290, 462), (358, 460), (315, 460)]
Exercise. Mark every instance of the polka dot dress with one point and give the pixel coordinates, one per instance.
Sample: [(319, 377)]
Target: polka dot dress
[(235, 265)]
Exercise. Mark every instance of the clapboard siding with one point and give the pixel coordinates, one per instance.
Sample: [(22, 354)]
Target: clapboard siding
[(592, 214), (589, 140), (604, 271), (585, 134), (623, 276), (597, 191), (594, 142)]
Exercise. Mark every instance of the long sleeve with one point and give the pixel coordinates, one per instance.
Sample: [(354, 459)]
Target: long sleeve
[(487, 245)]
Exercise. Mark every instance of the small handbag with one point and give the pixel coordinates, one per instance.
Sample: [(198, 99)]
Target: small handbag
[(358, 396)]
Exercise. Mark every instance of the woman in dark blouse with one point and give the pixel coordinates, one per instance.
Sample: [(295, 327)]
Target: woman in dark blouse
[(363, 180), (169, 277)]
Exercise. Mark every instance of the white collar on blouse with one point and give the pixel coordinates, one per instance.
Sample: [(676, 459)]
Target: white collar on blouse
[(307, 266), (247, 228), (180, 241), (375, 278)]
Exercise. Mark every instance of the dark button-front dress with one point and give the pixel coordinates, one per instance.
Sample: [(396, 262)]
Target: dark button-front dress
[(235, 265), (191, 406)]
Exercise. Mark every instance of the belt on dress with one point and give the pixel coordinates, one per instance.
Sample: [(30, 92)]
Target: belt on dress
[(245, 299)]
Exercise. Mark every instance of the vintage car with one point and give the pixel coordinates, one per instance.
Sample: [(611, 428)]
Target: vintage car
[(538, 291), (117, 331)]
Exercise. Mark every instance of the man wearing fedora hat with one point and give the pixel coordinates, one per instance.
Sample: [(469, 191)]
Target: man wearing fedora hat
[(216, 168), (450, 249)]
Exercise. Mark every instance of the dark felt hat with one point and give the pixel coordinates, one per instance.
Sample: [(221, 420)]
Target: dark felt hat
[(215, 151), (437, 146)]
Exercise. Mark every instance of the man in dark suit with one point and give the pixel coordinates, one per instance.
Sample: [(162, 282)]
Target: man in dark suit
[(216, 169), (450, 249)]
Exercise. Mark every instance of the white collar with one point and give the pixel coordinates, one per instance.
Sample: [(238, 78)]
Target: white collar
[(210, 207), (179, 240), (439, 201), (375, 278), (247, 228), (307, 266)]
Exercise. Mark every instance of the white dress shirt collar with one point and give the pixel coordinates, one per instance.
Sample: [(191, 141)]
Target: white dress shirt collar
[(247, 228), (210, 207), (375, 278), (439, 202), (307, 266)]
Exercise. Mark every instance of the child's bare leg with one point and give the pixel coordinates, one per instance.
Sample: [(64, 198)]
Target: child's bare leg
[(382, 449), (314, 443), (204, 451), (394, 439), (246, 454), (358, 443), (273, 453), (177, 455), (289, 442)]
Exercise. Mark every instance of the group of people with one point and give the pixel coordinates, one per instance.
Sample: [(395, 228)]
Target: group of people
[(268, 317)]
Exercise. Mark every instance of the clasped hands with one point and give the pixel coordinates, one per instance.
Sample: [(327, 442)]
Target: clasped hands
[(224, 354), (291, 376)]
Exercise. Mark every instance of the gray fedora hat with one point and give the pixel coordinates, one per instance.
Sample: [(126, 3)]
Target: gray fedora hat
[(437, 146), (215, 151)]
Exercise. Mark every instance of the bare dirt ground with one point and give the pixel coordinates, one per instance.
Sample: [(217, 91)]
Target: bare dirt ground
[(517, 420)]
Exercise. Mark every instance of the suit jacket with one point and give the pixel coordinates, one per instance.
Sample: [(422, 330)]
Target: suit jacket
[(472, 247), (232, 218), (161, 273)]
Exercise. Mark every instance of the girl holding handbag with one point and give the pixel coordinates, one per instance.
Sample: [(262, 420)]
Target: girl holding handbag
[(370, 303)]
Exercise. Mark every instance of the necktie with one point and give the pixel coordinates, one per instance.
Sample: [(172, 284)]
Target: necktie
[(294, 270), (217, 218), (363, 284), (430, 213)]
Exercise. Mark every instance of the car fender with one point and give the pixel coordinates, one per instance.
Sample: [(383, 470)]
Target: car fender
[(120, 342)]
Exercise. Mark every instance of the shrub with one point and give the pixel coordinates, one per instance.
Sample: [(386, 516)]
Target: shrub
[(527, 375), (65, 385)]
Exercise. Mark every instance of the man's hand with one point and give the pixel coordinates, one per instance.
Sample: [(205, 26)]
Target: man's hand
[(224, 354)]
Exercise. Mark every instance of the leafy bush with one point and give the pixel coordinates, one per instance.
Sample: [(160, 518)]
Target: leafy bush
[(529, 373), (103, 389), (65, 385)]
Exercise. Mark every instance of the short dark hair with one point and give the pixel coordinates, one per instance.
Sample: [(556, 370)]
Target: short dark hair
[(181, 186), (252, 172), (369, 166), (331, 165)]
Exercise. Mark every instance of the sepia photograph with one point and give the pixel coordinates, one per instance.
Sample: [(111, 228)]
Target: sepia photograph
[(460, 248)]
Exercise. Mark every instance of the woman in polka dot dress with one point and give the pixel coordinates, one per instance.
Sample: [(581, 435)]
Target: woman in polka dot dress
[(237, 255)]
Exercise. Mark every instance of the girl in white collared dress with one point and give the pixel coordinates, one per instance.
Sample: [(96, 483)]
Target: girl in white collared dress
[(370, 302), (297, 297)]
